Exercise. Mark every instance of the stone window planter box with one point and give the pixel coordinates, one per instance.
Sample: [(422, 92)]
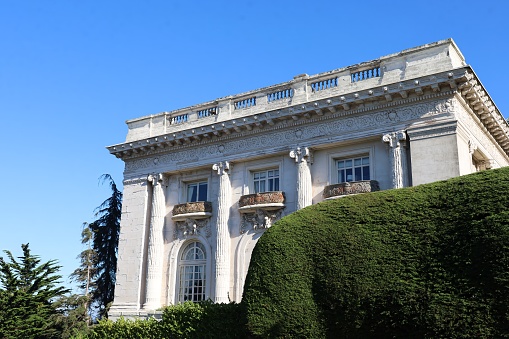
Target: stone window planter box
[(265, 201), (347, 188), (193, 210)]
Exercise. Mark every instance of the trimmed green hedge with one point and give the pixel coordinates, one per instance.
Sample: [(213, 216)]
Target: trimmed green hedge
[(185, 321), (423, 262)]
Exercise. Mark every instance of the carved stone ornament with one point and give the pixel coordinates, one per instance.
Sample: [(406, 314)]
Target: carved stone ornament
[(221, 167), (333, 130), (302, 154), (275, 197), (192, 208), (353, 187), (189, 227), (259, 220)]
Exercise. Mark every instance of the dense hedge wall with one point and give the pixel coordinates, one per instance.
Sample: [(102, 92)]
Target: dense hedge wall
[(424, 262), (185, 321)]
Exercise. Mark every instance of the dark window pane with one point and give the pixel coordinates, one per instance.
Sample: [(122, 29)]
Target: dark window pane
[(365, 173), (358, 175), (203, 192)]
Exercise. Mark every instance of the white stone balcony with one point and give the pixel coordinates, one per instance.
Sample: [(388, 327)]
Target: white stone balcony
[(267, 201), (192, 210)]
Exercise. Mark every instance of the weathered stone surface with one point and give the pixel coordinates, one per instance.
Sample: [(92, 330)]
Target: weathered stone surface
[(353, 187), (262, 198), (192, 207)]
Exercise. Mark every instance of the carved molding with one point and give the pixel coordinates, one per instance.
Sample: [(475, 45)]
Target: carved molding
[(135, 181), (259, 220), (330, 128)]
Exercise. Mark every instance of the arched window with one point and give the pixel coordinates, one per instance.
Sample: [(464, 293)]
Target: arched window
[(192, 280)]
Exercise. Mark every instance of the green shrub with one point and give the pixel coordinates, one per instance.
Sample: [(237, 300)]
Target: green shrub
[(428, 261), (187, 320)]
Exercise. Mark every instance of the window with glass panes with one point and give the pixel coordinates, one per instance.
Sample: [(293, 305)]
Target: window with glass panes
[(197, 191), (192, 280), (354, 169), (266, 181)]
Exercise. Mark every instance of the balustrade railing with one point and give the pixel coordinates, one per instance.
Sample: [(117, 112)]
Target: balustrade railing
[(207, 112), (179, 119), (365, 74), (245, 103), (324, 84), (282, 94)]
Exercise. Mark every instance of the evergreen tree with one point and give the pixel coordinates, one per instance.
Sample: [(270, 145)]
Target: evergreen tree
[(85, 274), (105, 232), (28, 294)]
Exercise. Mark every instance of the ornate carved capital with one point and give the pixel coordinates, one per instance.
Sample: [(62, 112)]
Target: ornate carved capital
[(302, 154), (259, 220), (394, 139), (158, 178), (222, 167)]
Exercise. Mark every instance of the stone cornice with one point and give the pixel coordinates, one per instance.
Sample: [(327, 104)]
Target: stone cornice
[(461, 80)]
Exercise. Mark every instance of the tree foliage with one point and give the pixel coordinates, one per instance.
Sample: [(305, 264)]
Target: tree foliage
[(29, 291), (98, 263), (430, 261)]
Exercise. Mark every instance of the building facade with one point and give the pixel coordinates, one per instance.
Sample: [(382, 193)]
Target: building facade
[(202, 184)]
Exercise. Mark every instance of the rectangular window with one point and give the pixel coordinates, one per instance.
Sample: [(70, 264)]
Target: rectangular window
[(266, 181), (197, 191), (354, 169)]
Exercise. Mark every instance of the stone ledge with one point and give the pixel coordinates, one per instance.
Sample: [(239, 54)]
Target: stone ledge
[(259, 199), (196, 210), (267, 201), (352, 187)]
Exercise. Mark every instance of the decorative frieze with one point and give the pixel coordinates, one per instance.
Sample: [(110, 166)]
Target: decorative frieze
[(331, 128), (352, 187)]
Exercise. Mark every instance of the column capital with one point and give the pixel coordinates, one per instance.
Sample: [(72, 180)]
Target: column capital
[(394, 139), (301, 154), (158, 178), (222, 167)]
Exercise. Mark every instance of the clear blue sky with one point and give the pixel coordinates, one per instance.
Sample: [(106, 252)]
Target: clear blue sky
[(71, 73)]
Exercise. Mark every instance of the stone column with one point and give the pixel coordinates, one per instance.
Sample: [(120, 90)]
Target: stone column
[(222, 256), (396, 143), (155, 243), (303, 157)]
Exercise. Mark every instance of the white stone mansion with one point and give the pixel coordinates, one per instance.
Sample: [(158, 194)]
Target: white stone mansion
[(202, 183)]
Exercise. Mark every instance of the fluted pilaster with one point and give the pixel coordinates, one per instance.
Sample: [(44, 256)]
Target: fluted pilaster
[(222, 256), (303, 157), (155, 244), (396, 143)]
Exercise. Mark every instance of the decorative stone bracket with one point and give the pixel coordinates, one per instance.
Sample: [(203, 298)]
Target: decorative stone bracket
[(191, 226), (259, 220), (260, 210), (347, 188), (191, 217)]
